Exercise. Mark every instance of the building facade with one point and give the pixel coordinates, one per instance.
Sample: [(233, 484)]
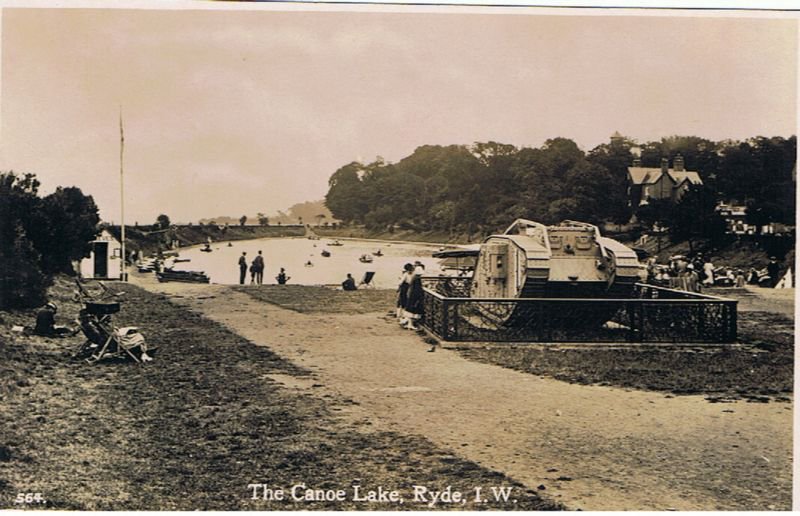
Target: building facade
[(650, 183)]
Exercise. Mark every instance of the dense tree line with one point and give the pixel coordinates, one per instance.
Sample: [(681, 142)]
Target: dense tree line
[(40, 236), (484, 186)]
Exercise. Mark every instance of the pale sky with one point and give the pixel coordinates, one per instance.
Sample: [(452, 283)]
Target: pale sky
[(238, 112)]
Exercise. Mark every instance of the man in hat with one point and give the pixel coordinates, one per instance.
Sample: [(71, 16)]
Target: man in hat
[(46, 323)]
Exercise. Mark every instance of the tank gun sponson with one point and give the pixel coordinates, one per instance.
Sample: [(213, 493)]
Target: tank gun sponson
[(570, 259)]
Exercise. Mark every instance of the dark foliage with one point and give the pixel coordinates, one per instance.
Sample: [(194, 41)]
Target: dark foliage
[(162, 221), (39, 236), (484, 186)]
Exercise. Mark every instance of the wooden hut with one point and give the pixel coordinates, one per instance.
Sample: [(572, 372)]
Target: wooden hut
[(104, 259)]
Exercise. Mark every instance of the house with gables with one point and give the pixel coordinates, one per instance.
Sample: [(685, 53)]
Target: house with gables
[(647, 183)]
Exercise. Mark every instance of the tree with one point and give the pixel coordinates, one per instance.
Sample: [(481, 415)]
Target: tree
[(695, 216), (22, 282), (69, 222), (163, 221), (242, 220), (263, 219)]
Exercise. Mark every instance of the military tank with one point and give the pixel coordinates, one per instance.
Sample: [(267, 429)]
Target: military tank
[(532, 260)]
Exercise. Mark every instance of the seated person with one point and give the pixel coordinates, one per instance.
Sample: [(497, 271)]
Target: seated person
[(46, 323), (282, 278), (349, 283)]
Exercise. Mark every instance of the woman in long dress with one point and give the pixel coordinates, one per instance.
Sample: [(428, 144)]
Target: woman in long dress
[(402, 290), (414, 302)]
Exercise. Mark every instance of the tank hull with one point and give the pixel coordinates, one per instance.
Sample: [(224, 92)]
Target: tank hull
[(530, 260)]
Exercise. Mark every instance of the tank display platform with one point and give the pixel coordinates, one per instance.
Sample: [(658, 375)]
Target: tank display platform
[(651, 315)]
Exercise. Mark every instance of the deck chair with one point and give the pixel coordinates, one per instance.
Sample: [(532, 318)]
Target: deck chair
[(366, 281), (104, 340)]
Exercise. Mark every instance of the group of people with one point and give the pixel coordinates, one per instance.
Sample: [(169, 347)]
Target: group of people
[(409, 296), (257, 271), (691, 274)]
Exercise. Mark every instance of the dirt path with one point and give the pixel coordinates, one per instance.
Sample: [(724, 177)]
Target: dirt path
[(589, 447)]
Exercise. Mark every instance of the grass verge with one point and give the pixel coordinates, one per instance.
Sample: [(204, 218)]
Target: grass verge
[(192, 429)]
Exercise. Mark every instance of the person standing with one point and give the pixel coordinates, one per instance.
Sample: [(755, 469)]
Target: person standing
[(774, 270), (708, 269), (242, 268), (415, 301), (402, 290), (258, 267)]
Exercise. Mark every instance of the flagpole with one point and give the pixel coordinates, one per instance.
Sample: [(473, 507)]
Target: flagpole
[(123, 266)]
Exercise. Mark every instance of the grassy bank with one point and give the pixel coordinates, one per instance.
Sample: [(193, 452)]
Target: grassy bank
[(762, 370), (193, 428), (306, 299)]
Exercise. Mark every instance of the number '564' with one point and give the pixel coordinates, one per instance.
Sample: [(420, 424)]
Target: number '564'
[(29, 498)]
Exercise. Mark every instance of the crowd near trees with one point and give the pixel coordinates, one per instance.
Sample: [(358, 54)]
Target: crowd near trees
[(482, 187), (40, 236)]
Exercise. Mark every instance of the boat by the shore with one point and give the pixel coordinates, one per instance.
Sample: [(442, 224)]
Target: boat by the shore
[(365, 258), (335, 243), (325, 253), (184, 276), (378, 253)]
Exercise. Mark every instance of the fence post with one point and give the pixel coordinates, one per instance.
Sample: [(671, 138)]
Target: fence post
[(732, 322), (445, 313), (455, 320)]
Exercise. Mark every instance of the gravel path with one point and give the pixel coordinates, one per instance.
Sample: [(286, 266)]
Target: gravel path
[(589, 447)]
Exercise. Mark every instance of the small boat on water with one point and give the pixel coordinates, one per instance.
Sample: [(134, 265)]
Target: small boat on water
[(184, 276), (365, 258), (207, 248), (378, 253), (335, 243), (181, 260), (325, 253)]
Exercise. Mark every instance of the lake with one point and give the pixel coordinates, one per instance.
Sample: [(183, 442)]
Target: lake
[(221, 265)]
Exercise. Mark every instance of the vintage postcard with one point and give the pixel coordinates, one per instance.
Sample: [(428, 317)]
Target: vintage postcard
[(291, 256)]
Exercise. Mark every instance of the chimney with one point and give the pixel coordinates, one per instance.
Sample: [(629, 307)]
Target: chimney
[(637, 161), (677, 163), (664, 165)]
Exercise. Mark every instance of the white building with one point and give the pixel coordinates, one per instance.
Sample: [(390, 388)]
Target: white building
[(104, 259)]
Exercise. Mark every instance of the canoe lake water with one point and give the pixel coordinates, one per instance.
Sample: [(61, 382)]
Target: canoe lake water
[(221, 264)]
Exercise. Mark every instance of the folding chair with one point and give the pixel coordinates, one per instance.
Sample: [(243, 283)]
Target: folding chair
[(366, 281), (103, 339)]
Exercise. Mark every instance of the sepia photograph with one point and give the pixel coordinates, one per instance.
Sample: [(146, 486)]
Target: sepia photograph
[(328, 257)]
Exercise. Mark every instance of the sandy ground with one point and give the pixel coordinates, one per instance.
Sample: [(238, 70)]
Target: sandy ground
[(589, 447)]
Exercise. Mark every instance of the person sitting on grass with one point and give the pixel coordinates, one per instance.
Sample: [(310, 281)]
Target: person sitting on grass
[(282, 278), (349, 283), (46, 323)]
